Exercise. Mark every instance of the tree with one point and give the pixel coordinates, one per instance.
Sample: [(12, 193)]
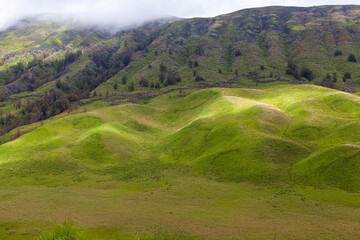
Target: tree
[(219, 71), (190, 63), (162, 68), (326, 82), (338, 53), (124, 80), (346, 76), (131, 87), (307, 73), (292, 70), (178, 78), (170, 80), (157, 85), (144, 82), (236, 73), (335, 77), (352, 58), (196, 63), (115, 86), (199, 79), (237, 53), (161, 77)]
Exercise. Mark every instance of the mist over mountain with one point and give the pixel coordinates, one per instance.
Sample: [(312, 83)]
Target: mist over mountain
[(121, 13)]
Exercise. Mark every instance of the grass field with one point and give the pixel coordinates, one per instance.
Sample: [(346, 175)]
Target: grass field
[(217, 164)]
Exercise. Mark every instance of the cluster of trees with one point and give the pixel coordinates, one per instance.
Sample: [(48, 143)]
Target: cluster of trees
[(351, 57), (192, 63), (293, 70), (31, 111), (328, 80), (37, 72)]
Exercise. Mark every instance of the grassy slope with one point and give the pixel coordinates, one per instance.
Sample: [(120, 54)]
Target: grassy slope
[(265, 136), (232, 134)]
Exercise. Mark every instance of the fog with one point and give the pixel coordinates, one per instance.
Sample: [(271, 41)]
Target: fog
[(123, 13)]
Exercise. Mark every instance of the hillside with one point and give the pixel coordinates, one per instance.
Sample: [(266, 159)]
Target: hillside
[(241, 126), (178, 151), (251, 47)]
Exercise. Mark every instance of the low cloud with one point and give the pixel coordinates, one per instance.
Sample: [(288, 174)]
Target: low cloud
[(122, 13)]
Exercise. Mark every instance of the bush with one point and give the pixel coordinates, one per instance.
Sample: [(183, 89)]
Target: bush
[(307, 73), (65, 231), (338, 53), (131, 87), (346, 76), (144, 82), (16, 135), (199, 79), (124, 80), (352, 58), (196, 63)]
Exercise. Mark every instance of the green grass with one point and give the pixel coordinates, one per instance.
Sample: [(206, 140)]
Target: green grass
[(230, 134), (139, 170)]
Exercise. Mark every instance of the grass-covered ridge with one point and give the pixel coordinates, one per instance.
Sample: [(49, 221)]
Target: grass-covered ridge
[(280, 133), (218, 163)]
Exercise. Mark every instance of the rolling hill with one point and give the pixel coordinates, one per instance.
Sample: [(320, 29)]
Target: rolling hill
[(241, 126)]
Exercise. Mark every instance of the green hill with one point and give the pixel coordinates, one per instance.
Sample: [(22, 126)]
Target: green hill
[(230, 134), (203, 128), (286, 147)]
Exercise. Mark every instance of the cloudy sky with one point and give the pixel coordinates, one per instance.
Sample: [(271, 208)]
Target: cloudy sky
[(126, 12)]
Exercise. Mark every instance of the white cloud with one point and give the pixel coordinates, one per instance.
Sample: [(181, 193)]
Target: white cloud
[(127, 12)]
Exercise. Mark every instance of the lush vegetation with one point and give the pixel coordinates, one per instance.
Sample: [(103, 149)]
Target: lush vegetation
[(188, 129), (298, 142)]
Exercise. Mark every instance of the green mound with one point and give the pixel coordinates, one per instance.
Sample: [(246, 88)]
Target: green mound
[(338, 167)]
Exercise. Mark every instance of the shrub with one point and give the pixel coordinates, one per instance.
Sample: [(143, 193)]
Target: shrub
[(307, 73), (326, 82), (162, 67), (131, 87), (237, 53), (352, 58), (161, 77), (199, 79), (196, 63), (346, 76), (190, 63), (65, 231), (124, 80), (338, 53), (16, 135), (144, 82), (335, 77)]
